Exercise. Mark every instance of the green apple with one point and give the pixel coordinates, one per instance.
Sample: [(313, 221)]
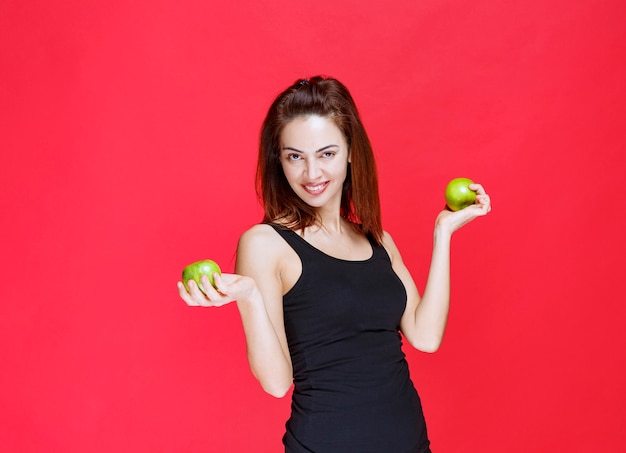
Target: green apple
[(459, 195), (196, 270)]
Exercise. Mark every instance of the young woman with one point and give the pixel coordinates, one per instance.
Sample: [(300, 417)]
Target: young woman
[(321, 288)]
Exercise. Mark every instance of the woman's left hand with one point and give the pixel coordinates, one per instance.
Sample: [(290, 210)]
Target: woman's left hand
[(451, 221)]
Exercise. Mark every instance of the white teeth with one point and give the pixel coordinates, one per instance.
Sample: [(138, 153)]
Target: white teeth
[(314, 188)]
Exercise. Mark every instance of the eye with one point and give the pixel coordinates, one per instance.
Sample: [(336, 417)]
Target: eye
[(294, 156), (328, 154)]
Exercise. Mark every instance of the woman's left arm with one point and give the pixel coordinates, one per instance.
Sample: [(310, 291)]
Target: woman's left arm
[(424, 321)]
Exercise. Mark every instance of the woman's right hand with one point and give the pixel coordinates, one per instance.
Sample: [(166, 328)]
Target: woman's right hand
[(230, 287)]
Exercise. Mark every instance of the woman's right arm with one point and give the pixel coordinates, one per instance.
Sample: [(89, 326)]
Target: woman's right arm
[(262, 313), (256, 286)]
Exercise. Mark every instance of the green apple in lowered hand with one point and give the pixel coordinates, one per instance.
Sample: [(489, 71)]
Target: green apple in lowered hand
[(459, 195), (196, 270)]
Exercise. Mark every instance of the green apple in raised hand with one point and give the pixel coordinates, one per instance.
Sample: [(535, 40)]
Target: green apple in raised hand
[(459, 195), (196, 270)]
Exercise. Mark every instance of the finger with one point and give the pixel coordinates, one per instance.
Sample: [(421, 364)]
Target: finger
[(215, 296), (197, 295), (220, 284), (478, 188), (184, 295), (483, 204), (473, 211), (483, 199)]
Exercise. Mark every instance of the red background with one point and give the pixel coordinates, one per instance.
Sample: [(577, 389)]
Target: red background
[(128, 135)]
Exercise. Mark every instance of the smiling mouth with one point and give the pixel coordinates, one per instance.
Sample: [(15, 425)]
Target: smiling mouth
[(315, 189)]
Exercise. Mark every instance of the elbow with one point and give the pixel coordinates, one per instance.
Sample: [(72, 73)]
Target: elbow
[(275, 383), (428, 345), (277, 391), (277, 386), (430, 348)]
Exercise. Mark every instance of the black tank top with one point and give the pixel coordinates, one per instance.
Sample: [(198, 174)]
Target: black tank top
[(353, 392)]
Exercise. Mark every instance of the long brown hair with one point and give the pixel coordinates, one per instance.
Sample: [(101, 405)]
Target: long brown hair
[(326, 97)]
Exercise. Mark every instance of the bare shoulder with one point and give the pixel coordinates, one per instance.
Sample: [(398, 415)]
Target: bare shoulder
[(265, 256), (262, 253), (261, 246), (259, 241), (391, 247), (258, 236)]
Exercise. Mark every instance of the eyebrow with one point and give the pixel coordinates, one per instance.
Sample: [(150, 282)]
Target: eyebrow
[(317, 151)]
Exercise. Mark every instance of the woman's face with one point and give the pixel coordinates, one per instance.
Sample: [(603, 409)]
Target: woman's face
[(314, 156)]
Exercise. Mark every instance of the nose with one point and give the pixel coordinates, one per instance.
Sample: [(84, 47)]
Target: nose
[(313, 170)]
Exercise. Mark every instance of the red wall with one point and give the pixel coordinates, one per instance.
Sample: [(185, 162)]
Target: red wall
[(128, 133)]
